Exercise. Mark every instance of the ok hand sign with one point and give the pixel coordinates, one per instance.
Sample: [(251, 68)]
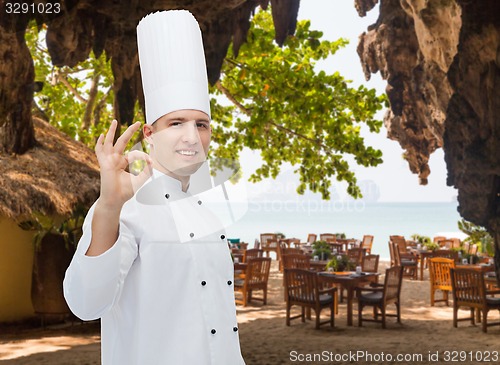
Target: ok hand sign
[(117, 184)]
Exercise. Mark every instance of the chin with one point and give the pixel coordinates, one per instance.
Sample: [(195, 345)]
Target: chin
[(188, 170)]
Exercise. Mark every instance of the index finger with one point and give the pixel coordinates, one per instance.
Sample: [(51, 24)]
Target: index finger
[(122, 141)]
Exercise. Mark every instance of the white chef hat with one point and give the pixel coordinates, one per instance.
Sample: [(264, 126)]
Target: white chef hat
[(172, 60)]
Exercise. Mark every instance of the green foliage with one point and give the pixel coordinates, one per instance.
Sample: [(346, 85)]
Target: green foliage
[(477, 235), (321, 249), (70, 228), (424, 240), (472, 259), (77, 100), (284, 107), (341, 263)]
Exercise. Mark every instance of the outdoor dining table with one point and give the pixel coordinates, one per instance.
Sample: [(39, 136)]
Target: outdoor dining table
[(318, 265), (349, 281), (423, 256)]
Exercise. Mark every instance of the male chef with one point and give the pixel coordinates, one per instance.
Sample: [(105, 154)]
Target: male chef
[(153, 262)]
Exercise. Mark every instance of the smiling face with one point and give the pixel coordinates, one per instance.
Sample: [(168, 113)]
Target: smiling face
[(179, 143)]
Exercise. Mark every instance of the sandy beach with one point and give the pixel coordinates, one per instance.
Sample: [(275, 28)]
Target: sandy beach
[(426, 336)]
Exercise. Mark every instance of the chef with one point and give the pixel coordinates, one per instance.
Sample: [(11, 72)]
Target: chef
[(153, 262)]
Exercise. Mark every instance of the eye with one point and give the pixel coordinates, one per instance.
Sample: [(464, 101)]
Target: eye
[(175, 123), (201, 124)]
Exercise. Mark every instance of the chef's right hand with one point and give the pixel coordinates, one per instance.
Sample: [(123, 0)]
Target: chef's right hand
[(117, 184)]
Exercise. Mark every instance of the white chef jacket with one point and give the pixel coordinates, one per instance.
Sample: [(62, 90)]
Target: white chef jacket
[(164, 291)]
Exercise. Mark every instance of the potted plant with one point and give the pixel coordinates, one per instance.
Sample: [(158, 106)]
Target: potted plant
[(321, 249), (54, 246), (478, 235), (280, 236), (340, 263)]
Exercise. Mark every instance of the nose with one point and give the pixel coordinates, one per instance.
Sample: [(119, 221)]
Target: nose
[(191, 135)]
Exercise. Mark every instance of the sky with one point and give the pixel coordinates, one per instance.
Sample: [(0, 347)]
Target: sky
[(391, 181)]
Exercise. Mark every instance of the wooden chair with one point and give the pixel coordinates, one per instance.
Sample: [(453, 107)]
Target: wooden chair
[(466, 247), (438, 238), (401, 244), (473, 249), (370, 263), (311, 238), (409, 263), (296, 261), (304, 289), (328, 237), (367, 243), (355, 255), (391, 253), (287, 251), (456, 243), (256, 244), (469, 290), (252, 253), (269, 243), (440, 279), (380, 297), (446, 244), (255, 278)]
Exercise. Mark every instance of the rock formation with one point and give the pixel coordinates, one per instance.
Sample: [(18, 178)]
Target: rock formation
[(441, 60)]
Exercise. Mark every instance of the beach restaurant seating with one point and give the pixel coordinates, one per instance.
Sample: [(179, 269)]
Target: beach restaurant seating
[(473, 249), (355, 255), (370, 263), (255, 278), (379, 297), (269, 243), (436, 239), (251, 253), (328, 237), (311, 238), (303, 289), (408, 262), (295, 261), (469, 290), (286, 251), (367, 243), (440, 278), (402, 245), (449, 254)]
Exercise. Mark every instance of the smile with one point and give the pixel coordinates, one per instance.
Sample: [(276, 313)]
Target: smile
[(187, 152)]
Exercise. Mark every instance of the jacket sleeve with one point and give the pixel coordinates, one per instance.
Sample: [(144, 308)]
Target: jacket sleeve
[(94, 283)]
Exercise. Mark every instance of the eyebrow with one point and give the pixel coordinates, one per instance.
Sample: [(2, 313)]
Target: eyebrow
[(182, 119)]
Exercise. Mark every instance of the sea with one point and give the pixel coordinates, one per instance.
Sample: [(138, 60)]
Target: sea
[(296, 219)]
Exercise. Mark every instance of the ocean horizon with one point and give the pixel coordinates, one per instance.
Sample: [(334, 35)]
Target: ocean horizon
[(355, 218)]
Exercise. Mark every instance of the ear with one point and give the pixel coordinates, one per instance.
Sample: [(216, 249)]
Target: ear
[(147, 131)]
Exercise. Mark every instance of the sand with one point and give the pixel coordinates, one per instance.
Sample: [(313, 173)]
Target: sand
[(426, 336)]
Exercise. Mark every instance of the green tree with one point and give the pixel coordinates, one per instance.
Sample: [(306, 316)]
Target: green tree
[(77, 100), (291, 113), (279, 105)]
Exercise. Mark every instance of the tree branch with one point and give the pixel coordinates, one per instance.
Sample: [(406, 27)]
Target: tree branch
[(62, 78), (231, 98), (94, 87)]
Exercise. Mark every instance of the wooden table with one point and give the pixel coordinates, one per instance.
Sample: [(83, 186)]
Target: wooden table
[(349, 280), (318, 265), (423, 256), (482, 268)]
